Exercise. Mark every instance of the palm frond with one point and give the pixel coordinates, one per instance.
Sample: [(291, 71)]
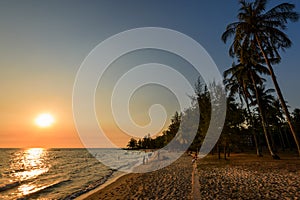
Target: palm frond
[(282, 12), (259, 5)]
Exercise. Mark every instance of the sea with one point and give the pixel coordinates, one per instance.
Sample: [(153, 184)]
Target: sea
[(38, 173)]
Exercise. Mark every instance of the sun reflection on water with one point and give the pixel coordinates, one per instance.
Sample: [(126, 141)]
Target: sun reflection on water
[(26, 189), (28, 165)]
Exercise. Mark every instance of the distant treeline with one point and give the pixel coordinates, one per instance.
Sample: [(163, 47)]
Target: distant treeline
[(238, 133)]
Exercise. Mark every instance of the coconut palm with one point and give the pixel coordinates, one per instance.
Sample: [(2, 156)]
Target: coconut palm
[(233, 125), (296, 120), (246, 75), (264, 29), (237, 82), (249, 70), (267, 100), (276, 120), (263, 100)]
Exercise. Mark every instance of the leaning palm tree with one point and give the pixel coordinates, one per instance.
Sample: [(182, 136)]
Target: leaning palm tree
[(266, 100), (247, 72), (265, 30), (276, 119), (246, 75), (252, 70), (236, 80), (260, 102)]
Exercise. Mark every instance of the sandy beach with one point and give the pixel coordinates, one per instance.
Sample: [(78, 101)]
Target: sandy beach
[(243, 176), (171, 182), (246, 176)]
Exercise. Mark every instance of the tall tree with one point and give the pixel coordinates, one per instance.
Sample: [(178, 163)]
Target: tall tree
[(261, 101), (237, 82), (201, 101), (296, 120), (247, 75), (132, 143), (172, 130), (266, 100), (233, 126), (276, 119), (248, 70), (265, 30)]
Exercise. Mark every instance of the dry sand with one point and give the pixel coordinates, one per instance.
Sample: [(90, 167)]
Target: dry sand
[(246, 176), (171, 182), (243, 176)]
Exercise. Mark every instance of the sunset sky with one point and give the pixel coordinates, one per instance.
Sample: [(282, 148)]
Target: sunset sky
[(43, 44)]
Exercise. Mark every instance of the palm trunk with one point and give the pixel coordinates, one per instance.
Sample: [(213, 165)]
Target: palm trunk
[(258, 153), (263, 122), (274, 147), (280, 96), (281, 139), (287, 138)]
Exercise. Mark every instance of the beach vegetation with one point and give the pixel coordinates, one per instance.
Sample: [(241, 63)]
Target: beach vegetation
[(262, 32)]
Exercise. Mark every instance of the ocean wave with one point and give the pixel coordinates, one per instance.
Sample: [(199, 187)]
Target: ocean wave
[(56, 174), (90, 186), (43, 189)]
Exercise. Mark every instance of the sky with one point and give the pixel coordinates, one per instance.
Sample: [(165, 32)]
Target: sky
[(43, 44)]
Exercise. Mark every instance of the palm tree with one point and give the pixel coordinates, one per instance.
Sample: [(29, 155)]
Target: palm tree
[(249, 70), (265, 30), (267, 101), (247, 74), (233, 126), (238, 83), (296, 120), (263, 100)]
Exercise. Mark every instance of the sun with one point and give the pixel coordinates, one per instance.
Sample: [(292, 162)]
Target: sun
[(44, 120)]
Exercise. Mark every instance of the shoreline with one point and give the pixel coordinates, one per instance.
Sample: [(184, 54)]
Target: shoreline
[(114, 178), (241, 176), (107, 183), (170, 182)]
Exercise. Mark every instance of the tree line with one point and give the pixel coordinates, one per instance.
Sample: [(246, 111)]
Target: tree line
[(256, 116)]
